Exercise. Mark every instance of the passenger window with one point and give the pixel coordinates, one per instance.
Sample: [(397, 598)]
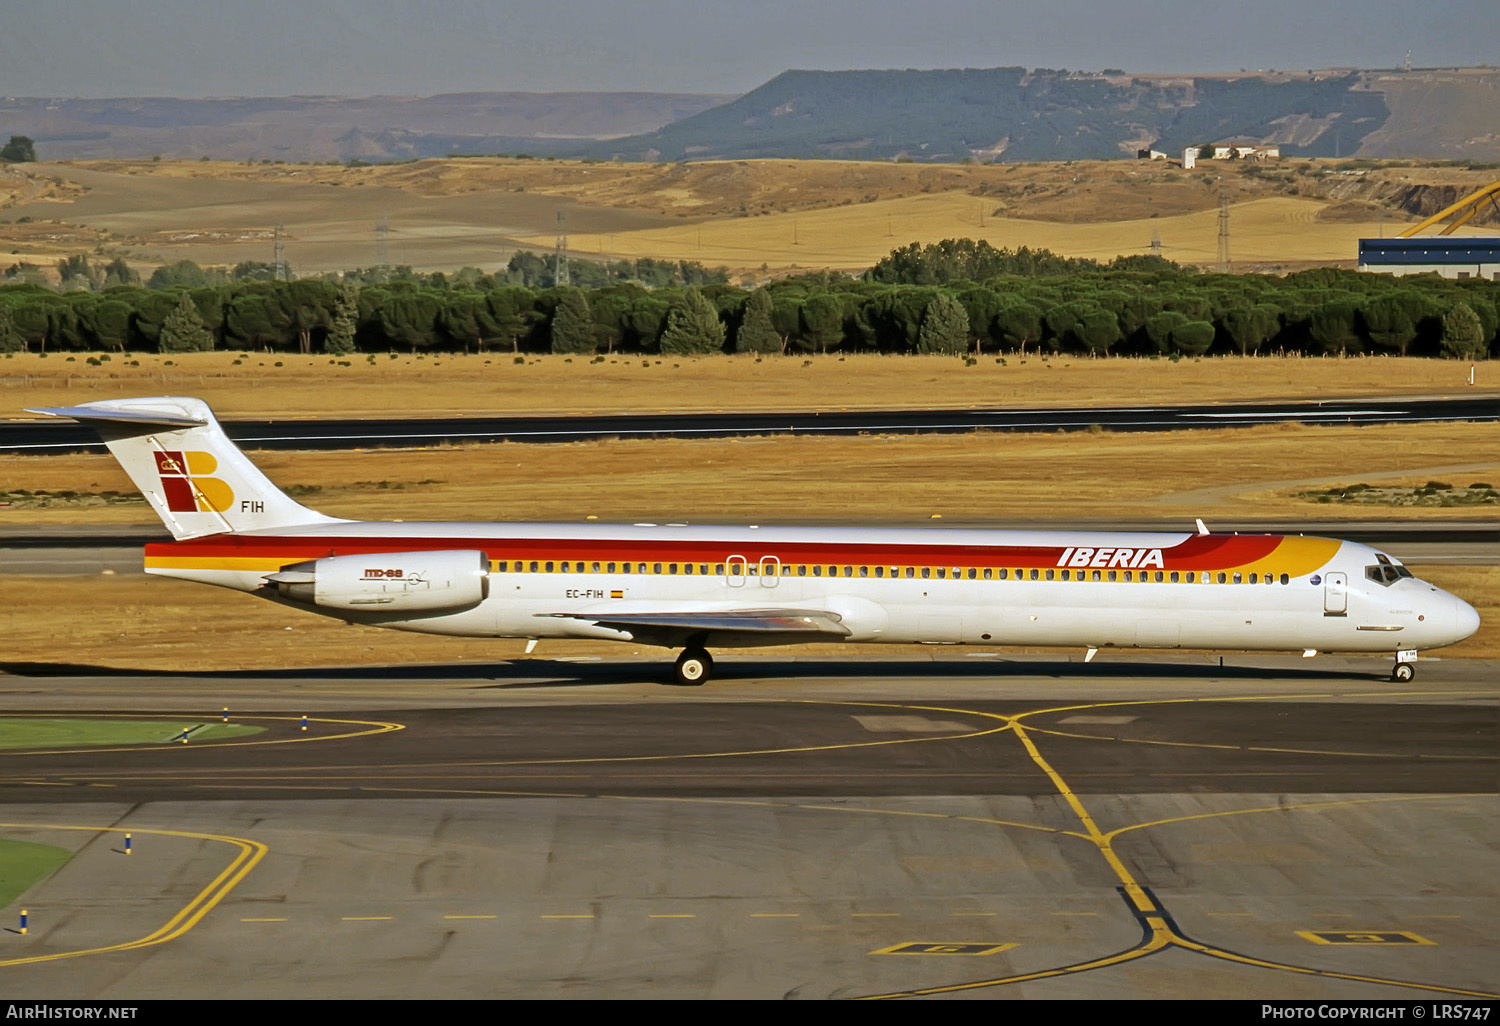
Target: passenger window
[(942, 572), (926, 572), (1237, 579), (1128, 578), (1066, 574), (848, 571), (1285, 579), (864, 571), (880, 571), (1112, 574), (500, 566), (988, 573), (640, 568), (1050, 574), (1034, 575), (818, 571), (1222, 577), (610, 567), (1174, 576), (1094, 575), (1255, 578), (911, 571)]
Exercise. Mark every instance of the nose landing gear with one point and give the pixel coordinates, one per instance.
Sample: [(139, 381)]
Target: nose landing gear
[(1402, 673)]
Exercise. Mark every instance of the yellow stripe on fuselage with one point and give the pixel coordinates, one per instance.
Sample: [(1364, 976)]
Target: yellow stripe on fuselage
[(1295, 557)]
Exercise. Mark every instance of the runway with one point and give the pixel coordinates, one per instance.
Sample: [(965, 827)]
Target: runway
[(814, 828), (52, 436)]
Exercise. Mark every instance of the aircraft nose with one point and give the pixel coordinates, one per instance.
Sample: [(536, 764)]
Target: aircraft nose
[(1465, 619)]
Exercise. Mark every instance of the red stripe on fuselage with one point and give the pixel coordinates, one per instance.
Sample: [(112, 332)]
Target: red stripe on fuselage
[(1199, 552)]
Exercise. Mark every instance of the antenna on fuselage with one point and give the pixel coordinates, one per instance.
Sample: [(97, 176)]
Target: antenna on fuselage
[(1201, 528)]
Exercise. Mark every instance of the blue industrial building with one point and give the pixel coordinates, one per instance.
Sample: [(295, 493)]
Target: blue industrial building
[(1469, 256)]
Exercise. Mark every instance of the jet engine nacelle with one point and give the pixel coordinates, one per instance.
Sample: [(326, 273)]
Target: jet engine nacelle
[(416, 581)]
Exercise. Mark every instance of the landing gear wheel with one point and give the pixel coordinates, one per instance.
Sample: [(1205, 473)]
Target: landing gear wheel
[(694, 667), (1402, 673)]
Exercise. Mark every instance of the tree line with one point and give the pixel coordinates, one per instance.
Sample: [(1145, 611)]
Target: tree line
[(957, 297)]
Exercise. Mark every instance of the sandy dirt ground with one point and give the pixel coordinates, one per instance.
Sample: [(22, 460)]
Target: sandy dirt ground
[(758, 217)]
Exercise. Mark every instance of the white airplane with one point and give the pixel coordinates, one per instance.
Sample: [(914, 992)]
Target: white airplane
[(695, 588)]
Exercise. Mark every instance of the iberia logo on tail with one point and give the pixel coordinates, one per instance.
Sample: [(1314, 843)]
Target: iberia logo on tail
[(187, 487)]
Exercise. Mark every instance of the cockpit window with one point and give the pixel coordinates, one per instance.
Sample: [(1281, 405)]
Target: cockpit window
[(1385, 573)]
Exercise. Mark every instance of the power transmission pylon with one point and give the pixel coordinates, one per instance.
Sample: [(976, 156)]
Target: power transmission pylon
[(1224, 263), (382, 242), (278, 250), (560, 259), (1156, 242)]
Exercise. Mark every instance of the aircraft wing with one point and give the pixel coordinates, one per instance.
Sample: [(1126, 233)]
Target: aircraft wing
[(675, 627)]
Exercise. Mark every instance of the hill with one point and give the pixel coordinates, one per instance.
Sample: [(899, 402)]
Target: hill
[(1012, 114), (302, 128)]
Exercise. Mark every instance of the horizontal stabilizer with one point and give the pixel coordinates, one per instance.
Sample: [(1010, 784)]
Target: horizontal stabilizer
[(134, 415)]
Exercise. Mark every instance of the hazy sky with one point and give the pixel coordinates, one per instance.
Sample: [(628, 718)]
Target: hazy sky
[(420, 47)]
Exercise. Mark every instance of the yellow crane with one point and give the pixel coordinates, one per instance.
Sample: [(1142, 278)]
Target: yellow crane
[(1468, 207)]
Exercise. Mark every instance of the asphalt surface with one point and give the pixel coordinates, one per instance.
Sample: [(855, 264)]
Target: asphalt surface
[(1142, 827), (65, 436)]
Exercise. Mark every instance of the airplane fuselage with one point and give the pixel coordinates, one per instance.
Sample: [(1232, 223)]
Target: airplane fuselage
[(1096, 590)]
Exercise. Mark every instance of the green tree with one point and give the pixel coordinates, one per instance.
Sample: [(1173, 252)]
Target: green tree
[(1334, 326), (19, 150), (1097, 330), (981, 305), (1391, 320), (1193, 337), (572, 327), (184, 274), (822, 317), (1018, 323), (1248, 327), (184, 331), (118, 272), (340, 337), (945, 327), (757, 334), (693, 326), (10, 338), (1463, 335), (75, 272)]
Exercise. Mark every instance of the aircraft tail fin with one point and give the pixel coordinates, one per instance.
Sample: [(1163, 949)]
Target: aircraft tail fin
[(195, 478)]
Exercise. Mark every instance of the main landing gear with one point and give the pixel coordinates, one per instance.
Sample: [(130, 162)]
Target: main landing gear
[(695, 666)]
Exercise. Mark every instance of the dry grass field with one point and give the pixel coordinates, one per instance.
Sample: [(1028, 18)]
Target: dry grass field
[(1233, 473), (758, 217), (285, 385)]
